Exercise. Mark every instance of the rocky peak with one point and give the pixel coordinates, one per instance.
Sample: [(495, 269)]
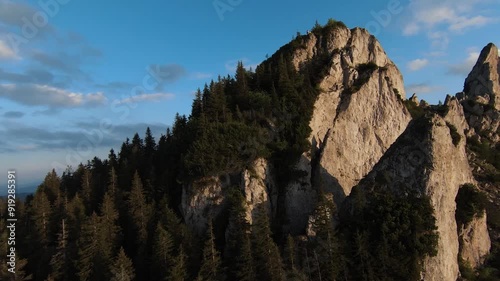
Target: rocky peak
[(428, 160), (484, 80), (358, 114), (356, 46)]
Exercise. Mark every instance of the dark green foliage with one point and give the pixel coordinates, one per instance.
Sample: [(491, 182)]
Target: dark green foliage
[(455, 136), (415, 110), (61, 260), (366, 67), (325, 243), (470, 203), (488, 153), (244, 267), (226, 147), (466, 271), (88, 250), (365, 71), (331, 24), (388, 236), (484, 273), (177, 270), (268, 263), (211, 264), (122, 268), (122, 216), (239, 258), (441, 109)]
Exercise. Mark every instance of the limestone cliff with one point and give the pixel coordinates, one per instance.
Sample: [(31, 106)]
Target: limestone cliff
[(362, 130), (482, 93), (357, 116), (208, 199), (483, 81), (480, 100), (474, 241), (426, 159)]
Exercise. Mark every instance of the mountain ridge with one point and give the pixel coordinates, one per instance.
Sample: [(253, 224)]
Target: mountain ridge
[(313, 167)]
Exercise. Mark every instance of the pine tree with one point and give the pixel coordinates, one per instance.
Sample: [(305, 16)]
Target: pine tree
[(211, 263), (86, 190), (60, 262), (76, 216), (197, 107), (149, 143), (269, 265), (108, 230), (290, 253), (139, 210), (51, 186), (112, 159), (245, 269), (112, 182), (162, 258), (178, 269), (138, 220), (241, 80), (88, 248), (42, 210), (122, 268), (239, 247), (326, 245)]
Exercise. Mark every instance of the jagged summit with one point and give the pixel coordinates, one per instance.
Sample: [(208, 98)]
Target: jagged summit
[(483, 80)]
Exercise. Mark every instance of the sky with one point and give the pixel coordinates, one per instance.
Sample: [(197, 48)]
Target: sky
[(79, 77)]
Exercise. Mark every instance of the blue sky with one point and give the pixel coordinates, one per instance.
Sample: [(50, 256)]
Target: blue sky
[(78, 77)]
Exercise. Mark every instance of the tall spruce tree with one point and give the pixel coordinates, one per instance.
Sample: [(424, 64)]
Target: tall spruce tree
[(139, 210), (88, 249), (326, 243), (108, 234), (211, 263), (268, 263), (178, 269), (162, 258), (86, 190), (122, 268), (238, 258), (60, 262)]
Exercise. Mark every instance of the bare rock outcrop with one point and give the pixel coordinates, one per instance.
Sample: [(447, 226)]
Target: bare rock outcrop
[(358, 114), (206, 199), (481, 96), (474, 241), (483, 81), (259, 188), (201, 201), (427, 160)]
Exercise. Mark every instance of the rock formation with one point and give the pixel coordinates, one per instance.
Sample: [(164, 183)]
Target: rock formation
[(481, 96), (357, 116), (361, 129), (483, 81), (426, 159), (474, 241)]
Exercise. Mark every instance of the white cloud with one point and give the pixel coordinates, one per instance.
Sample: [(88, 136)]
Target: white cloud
[(200, 75), (6, 52), (464, 23), (443, 17), (422, 88), (146, 97), (417, 64), (411, 29), (43, 95), (439, 39), (465, 67)]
